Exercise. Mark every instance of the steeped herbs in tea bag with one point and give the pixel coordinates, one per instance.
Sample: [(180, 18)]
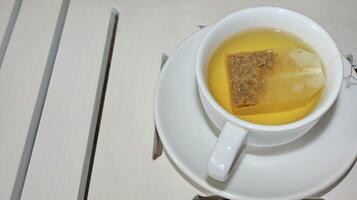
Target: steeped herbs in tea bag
[(271, 79)]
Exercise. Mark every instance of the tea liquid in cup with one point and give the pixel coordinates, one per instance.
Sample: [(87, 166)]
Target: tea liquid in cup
[(266, 76)]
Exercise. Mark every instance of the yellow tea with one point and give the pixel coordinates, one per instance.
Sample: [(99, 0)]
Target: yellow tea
[(266, 76)]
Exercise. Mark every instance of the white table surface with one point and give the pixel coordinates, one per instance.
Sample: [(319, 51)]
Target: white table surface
[(62, 141)]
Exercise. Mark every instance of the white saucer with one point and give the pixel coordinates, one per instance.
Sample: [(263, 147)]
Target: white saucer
[(294, 171)]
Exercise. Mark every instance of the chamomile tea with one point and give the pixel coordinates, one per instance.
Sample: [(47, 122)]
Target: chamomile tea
[(266, 76)]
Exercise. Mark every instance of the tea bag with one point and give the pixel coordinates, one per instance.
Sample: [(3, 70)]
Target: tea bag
[(273, 77)]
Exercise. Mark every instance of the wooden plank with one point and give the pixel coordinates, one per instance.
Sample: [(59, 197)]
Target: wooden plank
[(23, 70), (123, 168), (59, 163), (9, 10)]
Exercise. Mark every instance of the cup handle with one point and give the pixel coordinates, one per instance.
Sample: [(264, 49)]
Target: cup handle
[(228, 145)]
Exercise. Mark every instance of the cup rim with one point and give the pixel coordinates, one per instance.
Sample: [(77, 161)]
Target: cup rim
[(312, 117)]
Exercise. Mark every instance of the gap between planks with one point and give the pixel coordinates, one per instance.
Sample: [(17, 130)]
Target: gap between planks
[(41, 98), (9, 28), (98, 108)]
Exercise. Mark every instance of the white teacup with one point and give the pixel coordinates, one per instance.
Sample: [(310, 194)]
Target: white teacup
[(235, 132)]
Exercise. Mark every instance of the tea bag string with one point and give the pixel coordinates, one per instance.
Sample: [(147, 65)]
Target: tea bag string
[(352, 61)]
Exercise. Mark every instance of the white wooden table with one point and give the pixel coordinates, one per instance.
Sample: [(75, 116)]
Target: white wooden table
[(57, 56)]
